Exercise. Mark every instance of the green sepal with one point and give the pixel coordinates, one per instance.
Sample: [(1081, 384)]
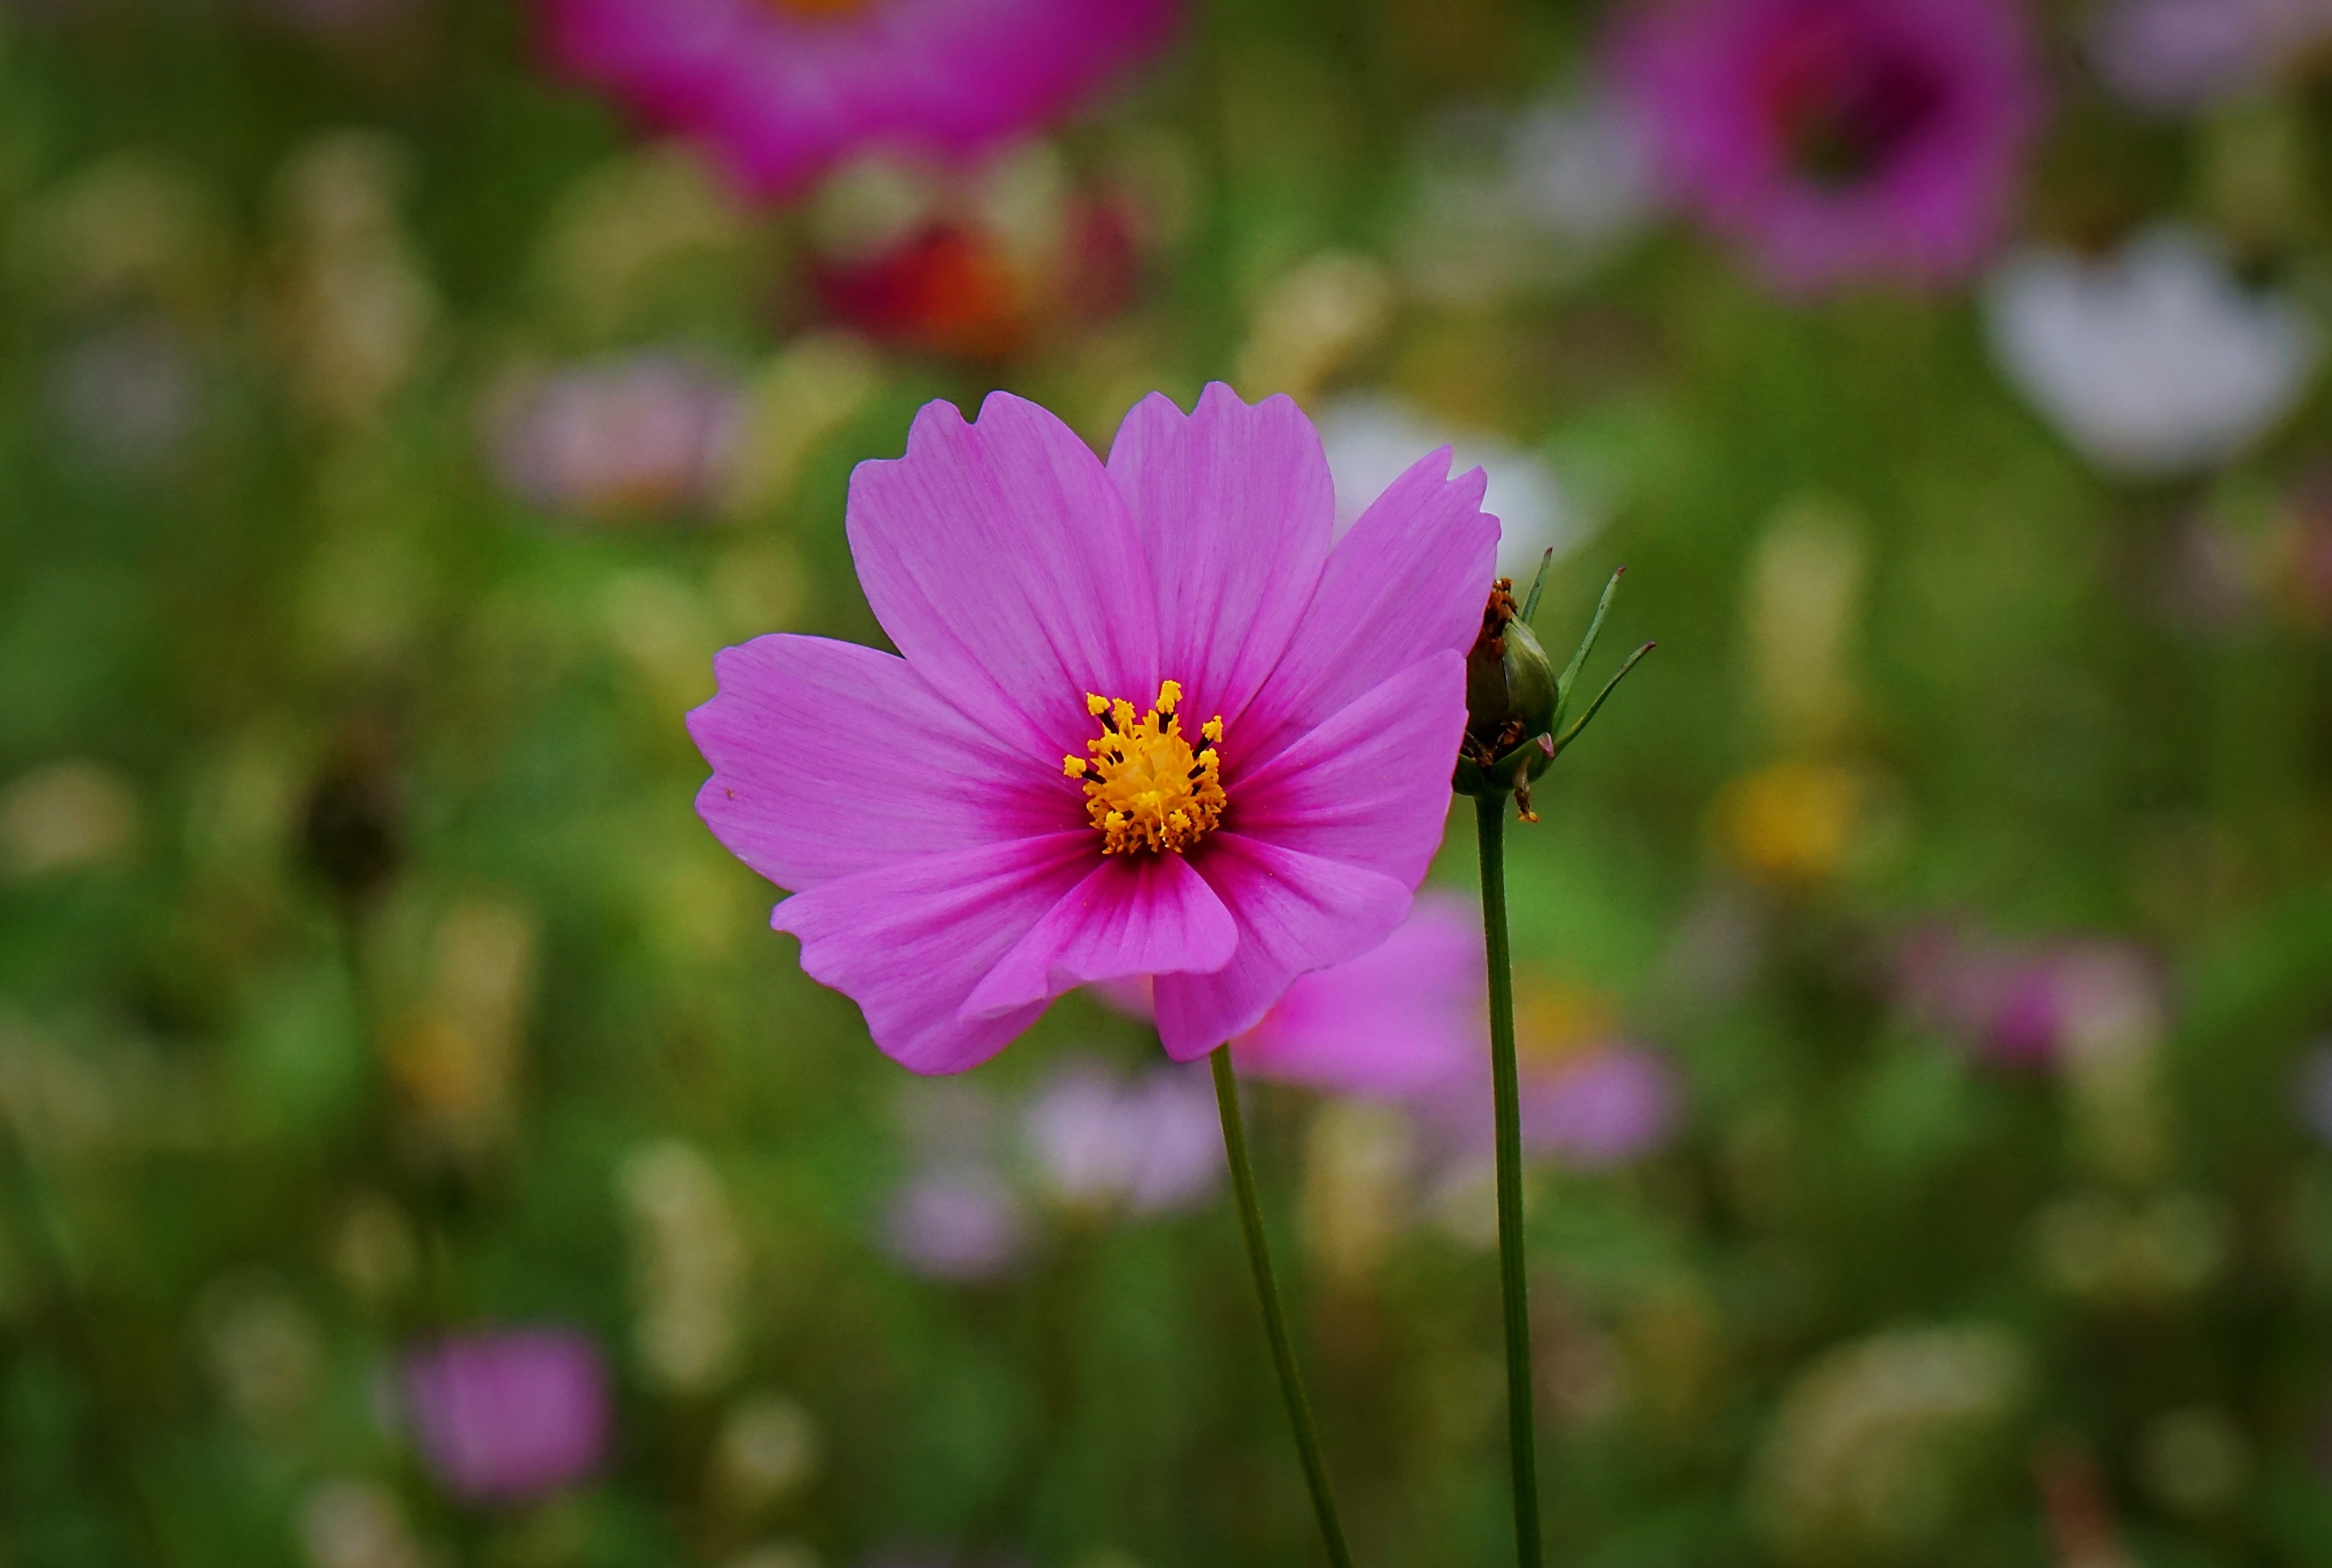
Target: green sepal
[(1596, 706), (1570, 676), (1538, 584)]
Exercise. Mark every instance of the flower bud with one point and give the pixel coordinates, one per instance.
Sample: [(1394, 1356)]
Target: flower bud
[(1510, 688), (1515, 701)]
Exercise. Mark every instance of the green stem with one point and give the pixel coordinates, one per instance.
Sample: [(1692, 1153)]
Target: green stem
[(61, 1300), (1275, 1316), (1514, 1280)]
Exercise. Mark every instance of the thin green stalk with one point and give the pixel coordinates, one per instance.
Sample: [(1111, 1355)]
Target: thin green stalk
[(1514, 1280), (44, 1257), (1275, 1316)]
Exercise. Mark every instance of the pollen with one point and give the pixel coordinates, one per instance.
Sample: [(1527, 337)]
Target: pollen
[(1147, 787)]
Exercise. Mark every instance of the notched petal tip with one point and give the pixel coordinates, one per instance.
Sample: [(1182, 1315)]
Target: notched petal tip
[(933, 421), (1008, 403)]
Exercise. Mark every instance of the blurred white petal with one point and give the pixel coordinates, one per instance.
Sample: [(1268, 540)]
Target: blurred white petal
[(2154, 361)]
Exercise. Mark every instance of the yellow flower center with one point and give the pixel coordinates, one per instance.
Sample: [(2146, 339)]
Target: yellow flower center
[(1146, 785)]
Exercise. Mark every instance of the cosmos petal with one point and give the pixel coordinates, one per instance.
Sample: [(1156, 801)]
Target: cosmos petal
[(1235, 509), (1295, 912), (909, 942), (1368, 787), (1000, 559), (1135, 914), (798, 791), (1408, 581)]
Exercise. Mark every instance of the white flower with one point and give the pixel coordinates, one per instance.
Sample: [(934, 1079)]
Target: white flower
[(2154, 361), (2176, 54), (1150, 1143), (648, 432), (1371, 438), (1505, 199), (1581, 166)]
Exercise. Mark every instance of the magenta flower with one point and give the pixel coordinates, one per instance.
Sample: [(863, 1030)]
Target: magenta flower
[(1407, 1023), (781, 90), (1840, 139), (508, 1414), (2027, 1005), (1030, 800)]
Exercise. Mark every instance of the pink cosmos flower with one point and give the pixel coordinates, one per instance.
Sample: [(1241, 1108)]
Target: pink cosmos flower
[(1407, 1023), (1150, 1144), (1600, 1108), (2028, 1006), (1840, 139), (510, 1413), (958, 1222), (639, 434), (1148, 722), (957, 1214), (783, 89)]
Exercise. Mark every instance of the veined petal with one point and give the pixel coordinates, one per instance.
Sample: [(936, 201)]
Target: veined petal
[(808, 784), (1134, 914), (1295, 912), (1409, 580), (1235, 508), (1000, 559), (909, 942), (1370, 787)]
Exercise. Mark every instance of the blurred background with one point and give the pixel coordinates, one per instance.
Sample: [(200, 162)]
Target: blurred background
[(417, 1152)]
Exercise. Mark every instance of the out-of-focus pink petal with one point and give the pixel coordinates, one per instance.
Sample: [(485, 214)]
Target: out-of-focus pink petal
[(1295, 912), (959, 1223), (1128, 996), (1235, 509), (506, 1414), (1132, 915), (1406, 582), (782, 97), (1000, 558), (911, 940), (1606, 1108), (1725, 86), (829, 759), (1361, 788), (1406, 1020)]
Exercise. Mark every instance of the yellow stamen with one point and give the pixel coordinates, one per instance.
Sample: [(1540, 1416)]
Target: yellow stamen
[(1146, 785)]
